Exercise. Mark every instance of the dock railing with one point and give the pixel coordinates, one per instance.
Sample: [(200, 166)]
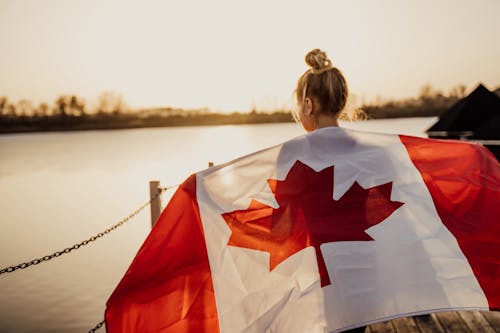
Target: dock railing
[(155, 191)]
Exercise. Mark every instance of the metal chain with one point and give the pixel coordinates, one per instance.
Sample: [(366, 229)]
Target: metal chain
[(97, 327), (85, 242)]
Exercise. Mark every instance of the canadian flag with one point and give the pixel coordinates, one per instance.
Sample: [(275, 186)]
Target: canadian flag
[(328, 231)]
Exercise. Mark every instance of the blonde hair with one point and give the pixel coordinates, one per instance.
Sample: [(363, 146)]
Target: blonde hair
[(325, 83)]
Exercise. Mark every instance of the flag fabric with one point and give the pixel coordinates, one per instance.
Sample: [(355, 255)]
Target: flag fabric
[(332, 230)]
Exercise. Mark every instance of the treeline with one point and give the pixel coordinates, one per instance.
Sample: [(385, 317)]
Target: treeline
[(64, 106), (131, 120), (429, 103), (70, 112)]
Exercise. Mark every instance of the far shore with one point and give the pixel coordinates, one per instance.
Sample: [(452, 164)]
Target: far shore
[(159, 118), (71, 113), (113, 121)]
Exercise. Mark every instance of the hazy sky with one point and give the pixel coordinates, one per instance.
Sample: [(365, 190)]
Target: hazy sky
[(229, 55)]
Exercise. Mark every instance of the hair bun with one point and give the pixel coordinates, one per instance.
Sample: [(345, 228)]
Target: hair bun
[(318, 61)]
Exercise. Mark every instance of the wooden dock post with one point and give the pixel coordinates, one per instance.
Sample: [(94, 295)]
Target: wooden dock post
[(154, 192)]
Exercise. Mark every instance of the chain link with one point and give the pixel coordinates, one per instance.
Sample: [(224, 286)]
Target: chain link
[(97, 327), (85, 242)]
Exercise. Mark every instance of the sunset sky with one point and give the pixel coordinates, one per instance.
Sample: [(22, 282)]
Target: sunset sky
[(231, 55)]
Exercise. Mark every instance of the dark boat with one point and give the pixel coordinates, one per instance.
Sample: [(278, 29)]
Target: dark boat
[(476, 117)]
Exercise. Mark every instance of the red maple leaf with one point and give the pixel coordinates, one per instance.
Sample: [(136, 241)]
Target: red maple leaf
[(309, 216)]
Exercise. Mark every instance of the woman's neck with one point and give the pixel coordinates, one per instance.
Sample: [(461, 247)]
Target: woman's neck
[(324, 120)]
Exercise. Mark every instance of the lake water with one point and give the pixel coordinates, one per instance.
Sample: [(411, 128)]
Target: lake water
[(57, 189)]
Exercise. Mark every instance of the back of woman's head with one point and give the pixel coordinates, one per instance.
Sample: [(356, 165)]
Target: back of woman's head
[(323, 83)]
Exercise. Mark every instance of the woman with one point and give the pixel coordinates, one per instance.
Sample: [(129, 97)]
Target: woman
[(321, 96), (321, 93)]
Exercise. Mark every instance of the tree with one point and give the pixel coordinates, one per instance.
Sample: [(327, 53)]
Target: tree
[(61, 106), (10, 110), (458, 91), (110, 103), (76, 106), (428, 95), (42, 110), (426, 92), (3, 105), (25, 108)]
